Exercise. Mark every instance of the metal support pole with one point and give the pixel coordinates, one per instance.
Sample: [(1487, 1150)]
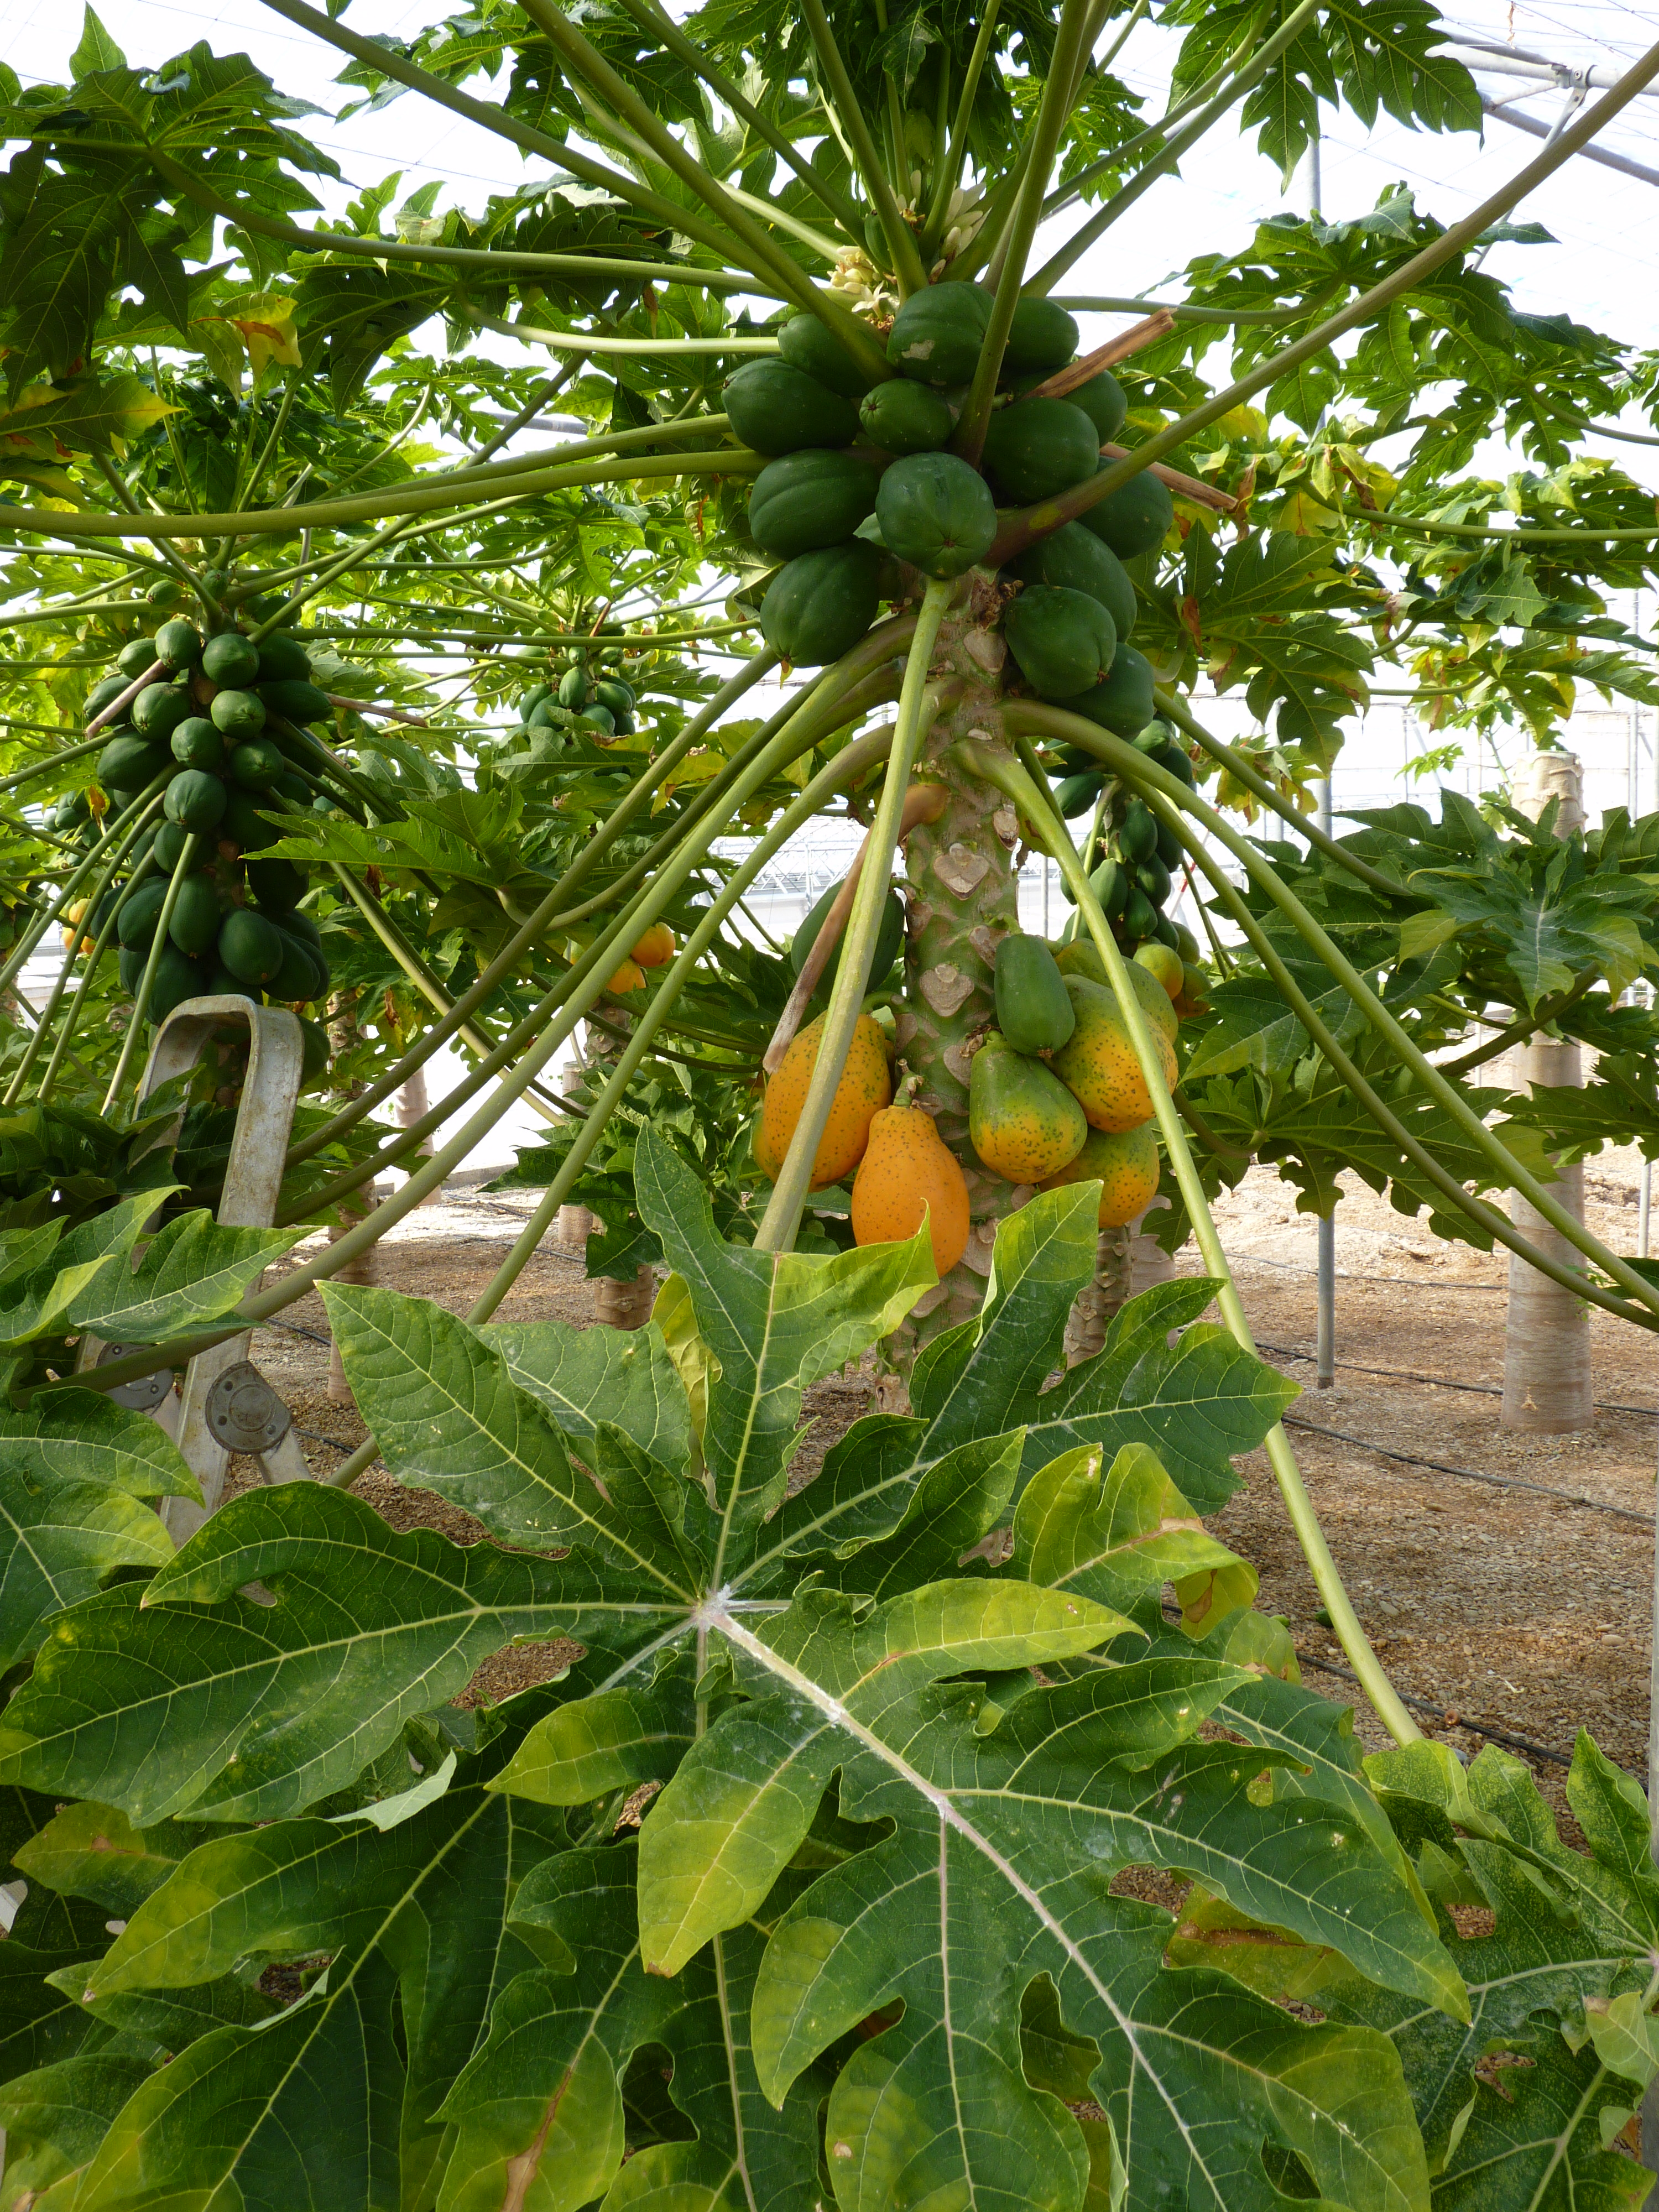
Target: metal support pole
[(1325, 1330)]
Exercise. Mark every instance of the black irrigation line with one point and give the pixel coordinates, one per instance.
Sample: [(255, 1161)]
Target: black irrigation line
[(1505, 1736), (1473, 1474), (1440, 1382)]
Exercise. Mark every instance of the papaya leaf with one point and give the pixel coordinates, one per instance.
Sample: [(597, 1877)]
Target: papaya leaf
[(194, 1273)]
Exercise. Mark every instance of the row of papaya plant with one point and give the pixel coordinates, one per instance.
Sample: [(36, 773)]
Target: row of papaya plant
[(799, 1884)]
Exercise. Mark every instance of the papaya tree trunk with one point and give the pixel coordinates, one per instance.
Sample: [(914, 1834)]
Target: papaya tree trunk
[(343, 1035), (963, 896), (1546, 1351), (1127, 1260)]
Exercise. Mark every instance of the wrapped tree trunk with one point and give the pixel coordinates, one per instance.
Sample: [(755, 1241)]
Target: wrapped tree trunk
[(1546, 1352), (412, 1103), (1127, 1260)]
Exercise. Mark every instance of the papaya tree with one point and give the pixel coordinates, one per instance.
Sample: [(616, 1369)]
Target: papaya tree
[(887, 1743)]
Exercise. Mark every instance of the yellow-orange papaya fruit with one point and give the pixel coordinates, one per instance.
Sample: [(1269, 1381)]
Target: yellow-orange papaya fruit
[(907, 1168), (1024, 1122), (630, 977), (1080, 958), (1161, 963), (1098, 1065), (1126, 1162), (656, 948), (865, 1088)]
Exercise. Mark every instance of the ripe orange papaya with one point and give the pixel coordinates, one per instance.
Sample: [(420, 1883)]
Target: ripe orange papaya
[(655, 948), (1098, 1065), (865, 1088), (1126, 1164), (1080, 958), (630, 977), (1159, 962), (1023, 1122), (907, 1168)]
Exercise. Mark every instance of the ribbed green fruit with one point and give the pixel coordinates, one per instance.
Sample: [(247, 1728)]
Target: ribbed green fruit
[(178, 977), (130, 764), (196, 744), (1037, 448), (806, 344), (135, 657), (902, 417), (136, 924), (296, 700), (296, 922), (1033, 1012), (292, 786), (1153, 877), (238, 714), (167, 591), (938, 333), (1105, 402), (195, 923), (231, 659), (890, 940), (776, 409), (250, 946), (256, 764), (1139, 916), (282, 660), (318, 1053), (1076, 558), (159, 709), (1077, 794), (1135, 519), (820, 604), (106, 690), (1063, 640), (178, 645), (221, 984), (301, 976), (937, 513), (1123, 704), (194, 799), (809, 499), (601, 718), (130, 965), (611, 691), (1136, 834), (573, 688), (242, 826), (170, 838), (1043, 336)]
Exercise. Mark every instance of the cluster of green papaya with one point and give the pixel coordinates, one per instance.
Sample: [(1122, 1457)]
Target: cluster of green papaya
[(221, 735), (857, 473), (1056, 1093), (1131, 857), (589, 688)]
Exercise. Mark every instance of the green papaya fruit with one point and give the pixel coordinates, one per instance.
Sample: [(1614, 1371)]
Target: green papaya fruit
[(178, 645), (777, 409), (1136, 834), (194, 799), (1135, 519), (238, 713), (1022, 1121), (292, 787), (301, 976), (1038, 447), (231, 660), (532, 699), (131, 763), (890, 940), (250, 946), (1105, 402), (195, 923), (938, 333), (276, 883), (820, 604), (296, 922), (1033, 1012), (809, 499), (135, 657), (196, 744), (1123, 703), (937, 513), (130, 965), (1139, 916), (298, 699), (1063, 640), (1077, 794), (806, 344), (1170, 850), (242, 825), (1153, 877), (1173, 758), (1076, 558), (317, 1052), (1166, 932), (282, 660), (601, 718), (170, 838), (103, 693), (221, 984), (141, 911), (165, 592), (611, 691), (573, 688), (256, 764), (177, 978), (159, 709), (904, 417), (1042, 337)]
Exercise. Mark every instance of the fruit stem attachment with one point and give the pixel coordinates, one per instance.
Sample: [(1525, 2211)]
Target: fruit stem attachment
[(781, 1220), (923, 802), (1028, 788), (158, 944)]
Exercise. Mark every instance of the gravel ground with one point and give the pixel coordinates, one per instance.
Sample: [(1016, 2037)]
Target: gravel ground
[(1527, 1613)]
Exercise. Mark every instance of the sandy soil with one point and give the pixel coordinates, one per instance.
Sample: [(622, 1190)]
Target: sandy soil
[(1527, 1611)]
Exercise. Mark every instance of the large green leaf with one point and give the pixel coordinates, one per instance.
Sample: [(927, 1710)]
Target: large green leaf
[(585, 1375), (190, 1694)]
